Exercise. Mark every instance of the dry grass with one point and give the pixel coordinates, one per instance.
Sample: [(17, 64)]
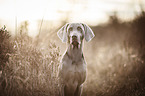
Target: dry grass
[(30, 71), (115, 62), (119, 74), (117, 65)]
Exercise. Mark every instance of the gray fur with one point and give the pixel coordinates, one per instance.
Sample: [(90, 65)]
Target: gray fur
[(72, 69)]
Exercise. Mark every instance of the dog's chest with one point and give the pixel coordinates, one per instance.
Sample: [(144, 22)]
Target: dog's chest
[(74, 72)]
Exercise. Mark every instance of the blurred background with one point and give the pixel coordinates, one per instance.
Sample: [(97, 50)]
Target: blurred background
[(115, 57), (51, 13)]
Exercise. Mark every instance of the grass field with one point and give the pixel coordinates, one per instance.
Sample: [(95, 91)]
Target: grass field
[(115, 62)]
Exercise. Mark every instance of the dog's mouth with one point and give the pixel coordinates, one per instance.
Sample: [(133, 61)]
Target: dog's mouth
[(75, 44)]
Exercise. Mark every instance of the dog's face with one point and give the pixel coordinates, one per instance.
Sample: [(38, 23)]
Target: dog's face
[(74, 33)]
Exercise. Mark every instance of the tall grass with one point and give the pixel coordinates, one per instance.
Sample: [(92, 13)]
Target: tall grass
[(116, 74), (115, 62), (29, 70), (117, 66)]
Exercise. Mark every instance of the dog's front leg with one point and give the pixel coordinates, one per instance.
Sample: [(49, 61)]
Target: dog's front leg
[(78, 91)]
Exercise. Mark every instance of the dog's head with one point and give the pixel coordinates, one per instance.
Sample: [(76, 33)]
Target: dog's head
[(74, 33)]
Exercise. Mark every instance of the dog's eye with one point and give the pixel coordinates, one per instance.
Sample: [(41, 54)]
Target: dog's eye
[(70, 29), (79, 29)]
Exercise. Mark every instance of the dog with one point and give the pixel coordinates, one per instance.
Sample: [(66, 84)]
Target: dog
[(72, 68)]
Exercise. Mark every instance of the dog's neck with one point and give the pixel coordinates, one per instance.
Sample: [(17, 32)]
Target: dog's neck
[(75, 54)]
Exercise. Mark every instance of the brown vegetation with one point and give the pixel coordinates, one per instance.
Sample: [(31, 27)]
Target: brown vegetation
[(29, 70), (115, 62)]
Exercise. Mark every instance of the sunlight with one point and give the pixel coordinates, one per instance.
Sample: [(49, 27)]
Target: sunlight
[(33, 29), (36, 9), (92, 12), (31, 50)]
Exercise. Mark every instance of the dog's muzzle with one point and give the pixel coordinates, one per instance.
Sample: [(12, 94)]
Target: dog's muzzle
[(75, 42)]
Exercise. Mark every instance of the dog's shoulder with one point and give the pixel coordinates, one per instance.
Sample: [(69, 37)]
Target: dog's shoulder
[(65, 57), (65, 61)]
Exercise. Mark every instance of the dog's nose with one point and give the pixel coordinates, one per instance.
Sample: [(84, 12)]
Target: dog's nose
[(74, 37)]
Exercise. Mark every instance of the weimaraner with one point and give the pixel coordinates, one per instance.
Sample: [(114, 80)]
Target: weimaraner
[(72, 69)]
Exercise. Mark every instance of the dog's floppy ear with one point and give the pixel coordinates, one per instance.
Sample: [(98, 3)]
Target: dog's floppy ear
[(62, 33), (89, 34)]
